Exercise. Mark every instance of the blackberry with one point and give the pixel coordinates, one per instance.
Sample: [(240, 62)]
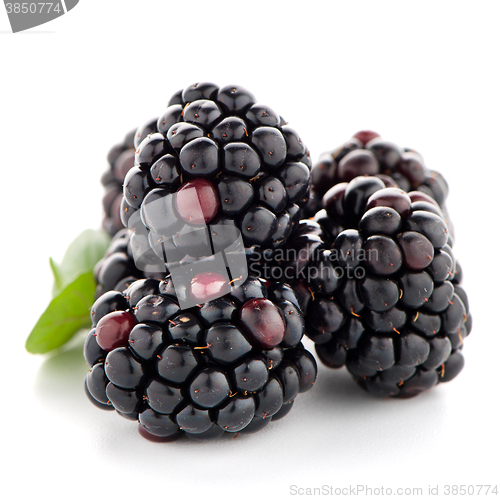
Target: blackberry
[(366, 153), (233, 364), (120, 161), (380, 288), (117, 270), (215, 160)]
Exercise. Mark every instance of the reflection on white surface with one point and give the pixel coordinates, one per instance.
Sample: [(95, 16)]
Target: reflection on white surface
[(336, 434)]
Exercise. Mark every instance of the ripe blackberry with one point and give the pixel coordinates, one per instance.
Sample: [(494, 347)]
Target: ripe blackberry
[(117, 270), (215, 157), (120, 161), (233, 364), (377, 281), (366, 153)]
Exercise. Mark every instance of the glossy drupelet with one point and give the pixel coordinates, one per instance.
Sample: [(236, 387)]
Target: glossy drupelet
[(229, 161), (231, 365), (380, 287), (120, 161), (117, 270), (366, 153)]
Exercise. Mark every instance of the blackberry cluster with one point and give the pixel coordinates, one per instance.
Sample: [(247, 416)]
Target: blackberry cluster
[(120, 161), (214, 157), (371, 277), (231, 365), (366, 153), (380, 288)]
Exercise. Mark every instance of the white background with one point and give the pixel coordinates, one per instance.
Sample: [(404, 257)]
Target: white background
[(423, 74)]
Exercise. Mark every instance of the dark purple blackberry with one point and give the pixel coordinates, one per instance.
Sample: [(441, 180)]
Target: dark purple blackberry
[(117, 270), (120, 160), (233, 364), (215, 157), (380, 291), (366, 153)]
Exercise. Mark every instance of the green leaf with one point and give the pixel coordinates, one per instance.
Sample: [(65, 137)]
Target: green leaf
[(58, 280), (67, 313), (74, 290), (81, 257)]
